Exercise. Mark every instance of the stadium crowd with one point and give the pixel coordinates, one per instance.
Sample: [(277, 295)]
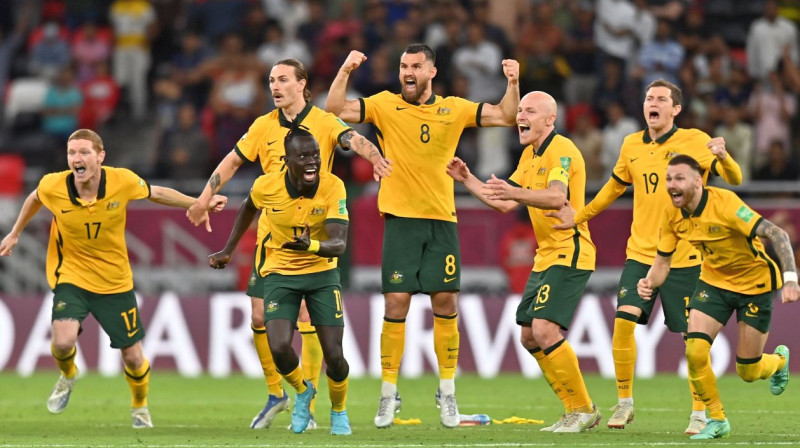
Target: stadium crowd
[(174, 84)]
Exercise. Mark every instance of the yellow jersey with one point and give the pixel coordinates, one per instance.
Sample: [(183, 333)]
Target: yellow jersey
[(557, 159), (87, 239), (420, 140), (287, 212), (643, 163), (264, 141), (723, 229)]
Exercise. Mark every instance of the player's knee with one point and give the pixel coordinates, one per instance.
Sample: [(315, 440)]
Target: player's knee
[(62, 348), (257, 314), (527, 340), (697, 353), (338, 368), (748, 372)]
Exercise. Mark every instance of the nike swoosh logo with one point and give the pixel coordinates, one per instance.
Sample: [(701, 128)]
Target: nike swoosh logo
[(452, 349), (275, 210), (66, 211), (623, 381), (448, 280), (132, 333), (269, 143), (749, 315), (338, 315), (634, 159), (401, 108), (537, 308)]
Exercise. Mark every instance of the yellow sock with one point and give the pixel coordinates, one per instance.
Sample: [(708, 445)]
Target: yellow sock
[(311, 355), (295, 379), (393, 343), (565, 367), (271, 375), (139, 382), (445, 344), (623, 347), (698, 357), (337, 390), (759, 368), (66, 364), (697, 402), (549, 376)]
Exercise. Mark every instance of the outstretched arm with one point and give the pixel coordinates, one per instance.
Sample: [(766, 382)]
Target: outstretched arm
[(505, 112), (380, 167), (553, 197), (458, 170), (783, 249), (244, 217), (337, 102), (198, 212), (174, 198), (29, 210), (725, 165), (334, 246)]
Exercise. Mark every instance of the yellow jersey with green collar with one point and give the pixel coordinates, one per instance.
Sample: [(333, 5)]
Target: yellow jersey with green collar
[(723, 229), (420, 140), (643, 163), (264, 141), (87, 239), (287, 212), (557, 159)]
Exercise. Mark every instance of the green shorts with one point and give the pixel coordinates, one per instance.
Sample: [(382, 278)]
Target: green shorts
[(755, 310), (117, 313), (553, 295), (322, 292), (420, 255), (255, 284), (675, 293)]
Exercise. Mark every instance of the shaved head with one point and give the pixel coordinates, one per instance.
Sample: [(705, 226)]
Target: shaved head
[(542, 101), (536, 117)]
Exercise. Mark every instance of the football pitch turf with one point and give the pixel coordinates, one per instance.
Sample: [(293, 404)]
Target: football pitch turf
[(211, 412)]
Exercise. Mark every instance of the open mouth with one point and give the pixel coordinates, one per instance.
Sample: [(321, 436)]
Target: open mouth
[(676, 195), (277, 96), (410, 84), (310, 174), (524, 129), (653, 115), (79, 169)]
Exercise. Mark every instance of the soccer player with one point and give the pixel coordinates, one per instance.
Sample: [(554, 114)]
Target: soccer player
[(306, 212), (736, 275), (288, 82), (87, 261), (419, 132), (642, 163), (551, 172)]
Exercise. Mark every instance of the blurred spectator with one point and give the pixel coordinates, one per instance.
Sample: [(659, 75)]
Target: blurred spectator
[(480, 61), (380, 75), (100, 97), (543, 70), (216, 18), (661, 57), (184, 151), (509, 15), (445, 70), (495, 33), (89, 48), (778, 165), (77, 12), (516, 251), (735, 92), (62, 104), (766, 40), (541, 30), (50, 54), (134, 23), (738, 137), (311, 29), (693, 32), (589, 140), (610, 88), (290, 13), (277, 46), (579, 50), (10, 43), (186, 69), (376, 27), (615, 131), (253, 26), (620, 27), (771, 108)]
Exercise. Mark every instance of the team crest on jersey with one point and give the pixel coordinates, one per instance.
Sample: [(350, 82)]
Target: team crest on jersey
[(60, 306), (671, 154), (396, 277), (744, 213), (271, 307), (443, 111), (714, 229), (318, 211), (702, 296), (622, 292), (112, 205), (252, 281), (565, 162), (542, 171)]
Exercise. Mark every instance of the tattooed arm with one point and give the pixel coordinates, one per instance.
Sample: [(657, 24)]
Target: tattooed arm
[(198, 212), (783, 249), (380, 167)]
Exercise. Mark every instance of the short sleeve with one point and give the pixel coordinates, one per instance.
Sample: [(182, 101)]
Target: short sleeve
[(470, 112), (251, 143), (45, 188), (337, 204), (369, 107), (257, 192), (740, 216), (337, 130), (668, 239), (517, 177), (136, 187)]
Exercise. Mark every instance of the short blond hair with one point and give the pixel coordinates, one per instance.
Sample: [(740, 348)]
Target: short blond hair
[(88, 134)]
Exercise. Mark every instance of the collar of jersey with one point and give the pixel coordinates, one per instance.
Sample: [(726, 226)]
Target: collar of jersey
[(431, 100), (660, 140), (293, 193), (546, 143), (73, 191), (299, 118), (700, 206)]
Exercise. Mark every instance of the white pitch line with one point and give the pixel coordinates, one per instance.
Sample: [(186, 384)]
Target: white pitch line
[(414, 445)]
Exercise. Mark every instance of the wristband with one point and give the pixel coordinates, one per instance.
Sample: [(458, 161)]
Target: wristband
[(789, 276), (313, 247)]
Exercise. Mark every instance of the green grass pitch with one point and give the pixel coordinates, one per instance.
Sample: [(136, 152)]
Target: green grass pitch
[(209, 412)]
